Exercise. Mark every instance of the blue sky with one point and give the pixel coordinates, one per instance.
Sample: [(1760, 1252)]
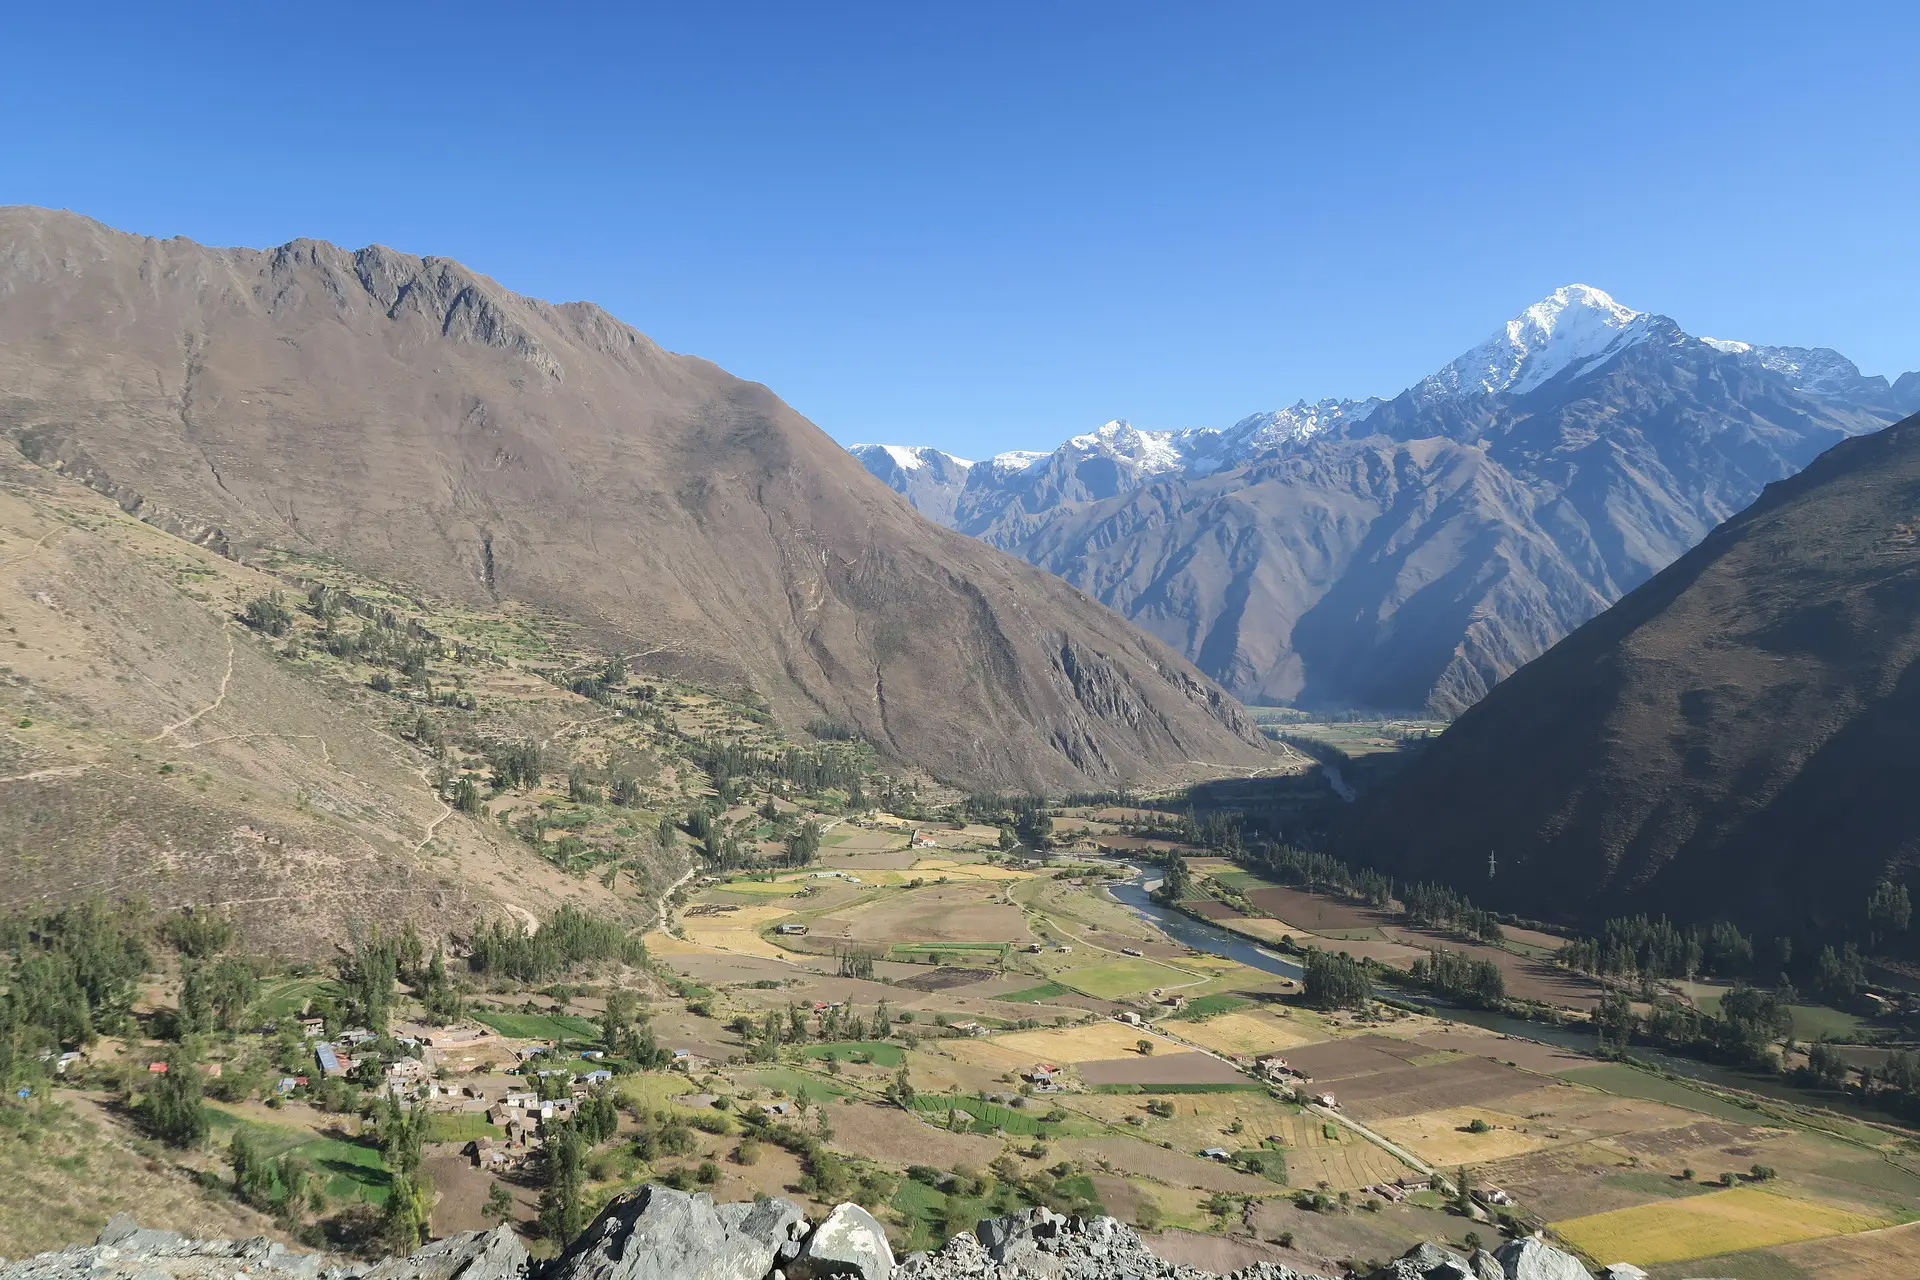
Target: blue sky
[(989, 226)]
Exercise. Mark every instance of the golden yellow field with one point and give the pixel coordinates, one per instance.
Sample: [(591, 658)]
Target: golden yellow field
[(1345, 1162), (1265, 930), (1439, 1137), (1245, 1033), (1082, 1044), (953, 870), (1701, 1226), (736, 931)]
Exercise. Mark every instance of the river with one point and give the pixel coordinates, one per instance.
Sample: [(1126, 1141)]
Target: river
[(1214, 940)]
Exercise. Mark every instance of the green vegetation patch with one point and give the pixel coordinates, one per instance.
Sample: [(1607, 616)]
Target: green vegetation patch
[(289, 997), (538, 1026), (932, 1216), (1122, 977), (1876, 1175), (349, 1170), (1265, 1161), (875, 1051), (1045, 991), (1631, 1082), (791, 1082), (458, 1126), (1208, 1006), (983, 1117)]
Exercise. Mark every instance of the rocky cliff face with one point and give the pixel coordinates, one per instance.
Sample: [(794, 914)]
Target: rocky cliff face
[(420, 423), (660, 1234)]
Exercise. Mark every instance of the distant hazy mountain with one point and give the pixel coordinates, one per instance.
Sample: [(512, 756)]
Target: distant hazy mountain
[(1413, 552), (1734, 739)]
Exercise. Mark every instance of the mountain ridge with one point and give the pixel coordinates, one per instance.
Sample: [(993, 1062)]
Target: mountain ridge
[(1725, 741), (1618, 439), (421, 422)]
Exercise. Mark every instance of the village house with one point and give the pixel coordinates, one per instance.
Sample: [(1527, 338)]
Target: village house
[(969, 1028), (328, 1060), (311, 1027), (791, 930)]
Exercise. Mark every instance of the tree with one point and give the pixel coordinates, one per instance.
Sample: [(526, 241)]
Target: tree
[(1145, 1046), (175, 1112), (803, 846), (1035, 828), (405, 1218), (562, 1206), (499, 1206), (1336, 981), (1889, 911), (269, 614)]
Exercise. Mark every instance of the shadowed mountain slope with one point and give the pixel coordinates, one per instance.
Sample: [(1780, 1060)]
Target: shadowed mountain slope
[(1733, 738), (425, 426)]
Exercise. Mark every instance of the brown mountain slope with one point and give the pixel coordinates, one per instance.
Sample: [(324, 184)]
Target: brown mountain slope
[(1734, 738), (150, 746), (425, 426)]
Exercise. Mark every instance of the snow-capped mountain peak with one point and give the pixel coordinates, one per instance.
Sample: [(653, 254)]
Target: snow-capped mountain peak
[(1819, 370), (907, 457), (1576, 327), (1152, 452)]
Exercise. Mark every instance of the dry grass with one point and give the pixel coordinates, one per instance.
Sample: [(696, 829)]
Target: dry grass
[(1440, 1137), (736, 931), (1082, 1044), (1889, 1253), (1722, 1222), (1245, 1033), (967, 870)]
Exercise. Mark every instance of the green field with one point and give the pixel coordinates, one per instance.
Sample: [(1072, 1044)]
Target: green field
[(791, 1081), (1631, 1082), (350, 1171), (288, 997), (462, 1126), (1265, 1161), (929, 1215), (874, 1051), (986, 1116), (1045, 991), (538, 1026), (1201, 1007), (1123, 977)]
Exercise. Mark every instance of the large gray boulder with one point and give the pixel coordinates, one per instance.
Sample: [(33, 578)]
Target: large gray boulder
[(657, 1233), (470, 1255), (1426, 1262), (1486, 1266), (849, 1242), (1531, 1258)]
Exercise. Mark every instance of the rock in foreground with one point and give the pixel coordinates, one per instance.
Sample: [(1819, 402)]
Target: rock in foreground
[(657, 1233)]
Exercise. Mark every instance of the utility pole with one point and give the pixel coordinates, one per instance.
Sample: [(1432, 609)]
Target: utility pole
[(1489, 864)]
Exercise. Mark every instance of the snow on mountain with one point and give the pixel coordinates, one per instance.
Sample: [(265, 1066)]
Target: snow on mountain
[(1819, 370), (1576, 327), (1150, 452), (1014, 461), (1573, 331), (907, 457)]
